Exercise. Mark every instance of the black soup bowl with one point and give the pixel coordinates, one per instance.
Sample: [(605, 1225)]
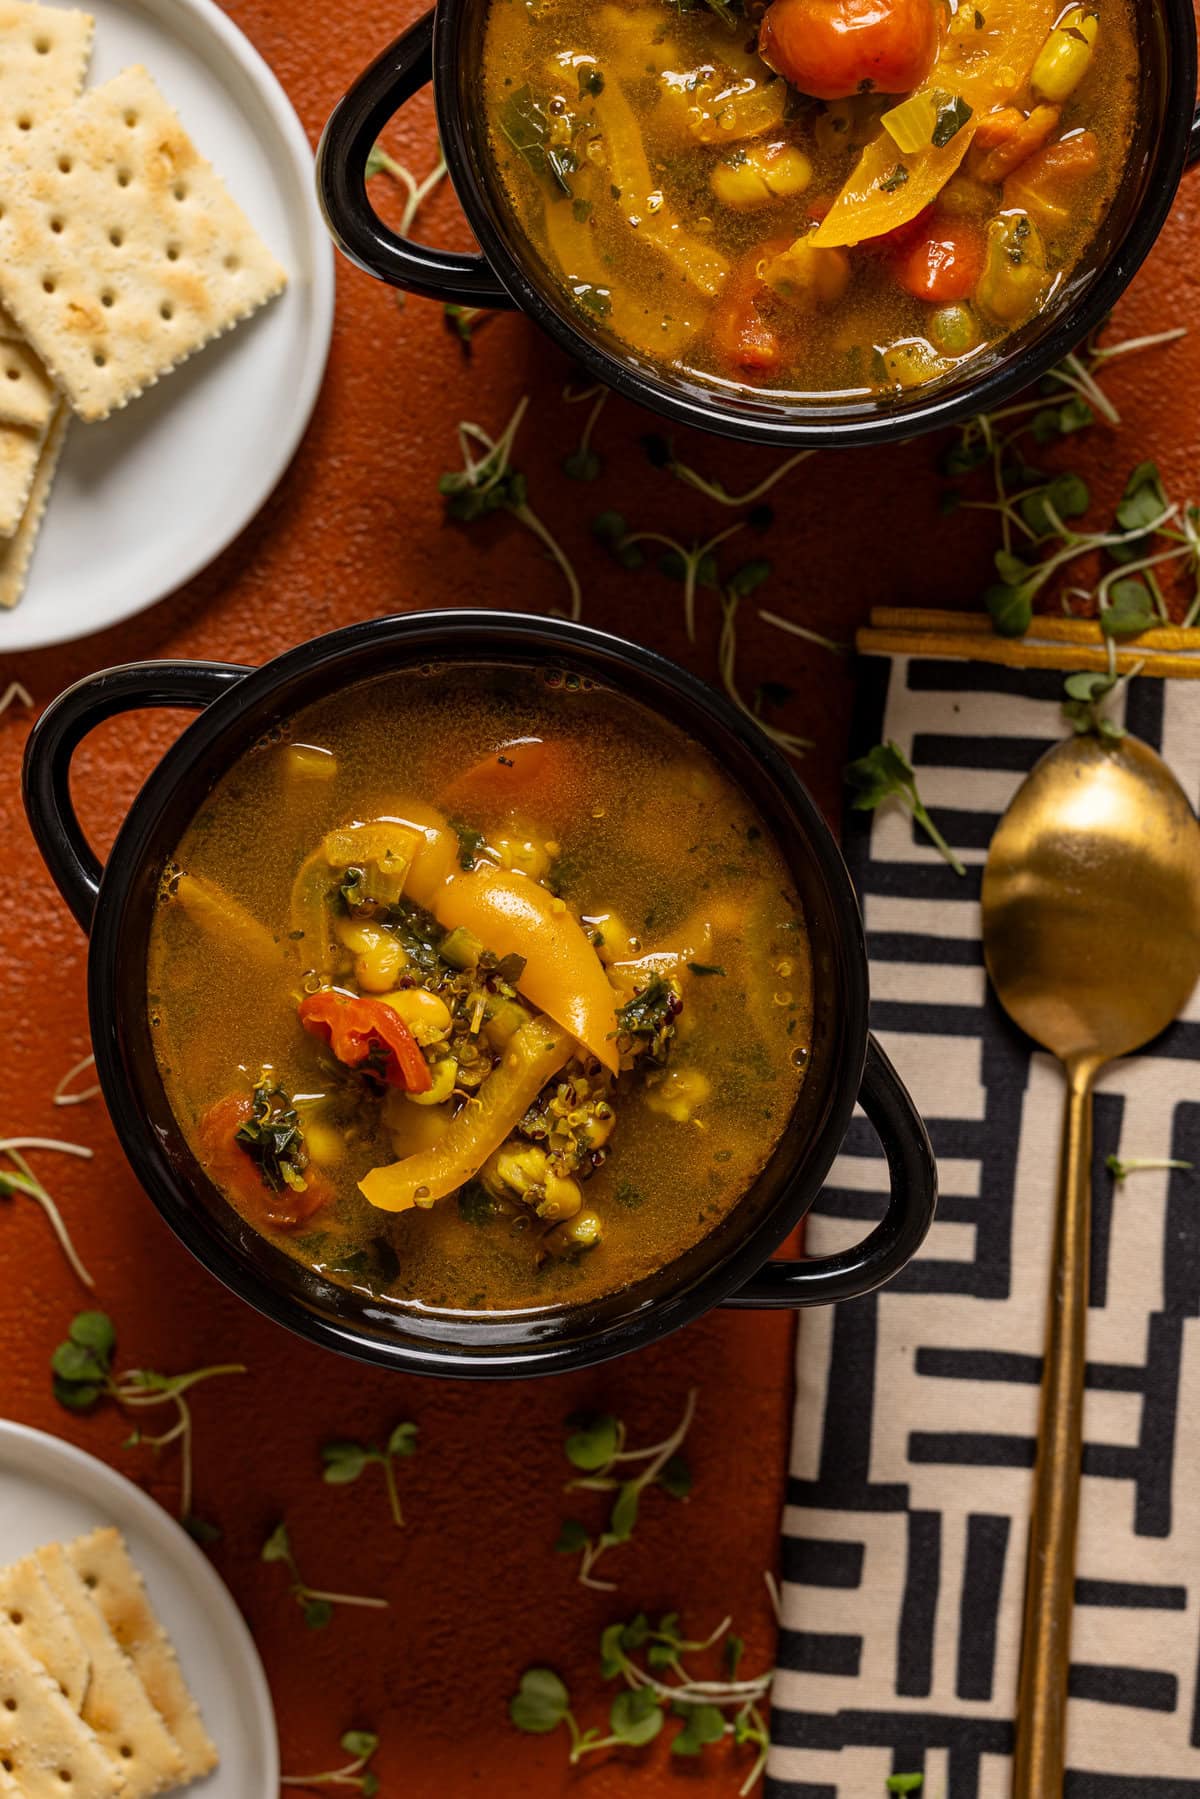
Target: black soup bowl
[(446, 46), (238, 707)]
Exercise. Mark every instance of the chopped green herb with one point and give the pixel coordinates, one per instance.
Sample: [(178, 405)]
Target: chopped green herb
[(952, 115), (273, 1139), (470, 842), (706, 968), (889, 183)]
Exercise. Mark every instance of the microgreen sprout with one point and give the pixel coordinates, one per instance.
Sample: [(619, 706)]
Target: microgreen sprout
[(463, 321), (83, 1375), (794, 630), (20, 1178), (1034, 508), (905, 1783), (597, 1445), (345, 1461), (1122, 1167), (360, 1746), (316, 1605), (1088, 694), (488, 483), (885, 773), (15, 695), (695, 567), (661, 453), (747, 578), (649, 1660), (584, 463), (416, 192), (66, 1094)]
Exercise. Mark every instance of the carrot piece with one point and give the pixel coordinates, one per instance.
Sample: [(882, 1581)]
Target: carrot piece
[(1016, 146), (524, 769), (1045, 184)]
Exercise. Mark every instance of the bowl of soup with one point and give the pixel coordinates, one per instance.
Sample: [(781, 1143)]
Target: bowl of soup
[(477, 994), (807, 222)]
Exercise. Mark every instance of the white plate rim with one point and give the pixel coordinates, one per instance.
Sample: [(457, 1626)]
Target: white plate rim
[(318, 300), (37, 1450)]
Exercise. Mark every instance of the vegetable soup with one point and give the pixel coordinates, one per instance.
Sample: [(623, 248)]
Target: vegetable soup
[(822, 198), (480, 988)]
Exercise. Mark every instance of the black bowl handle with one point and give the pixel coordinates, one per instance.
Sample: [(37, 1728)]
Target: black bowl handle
[(824, 1280), (46, 777), (347, 142)]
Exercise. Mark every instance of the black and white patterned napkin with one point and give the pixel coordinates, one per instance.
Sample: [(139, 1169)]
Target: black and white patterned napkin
[(916, 1409)]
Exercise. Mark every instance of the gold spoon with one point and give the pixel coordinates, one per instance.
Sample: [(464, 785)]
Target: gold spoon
[(1091, 932)]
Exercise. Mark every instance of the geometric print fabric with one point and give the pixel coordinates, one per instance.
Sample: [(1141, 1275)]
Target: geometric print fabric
[(916, 1408)]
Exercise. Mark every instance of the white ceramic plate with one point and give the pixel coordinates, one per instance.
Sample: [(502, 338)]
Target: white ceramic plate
[(51, 1492), (147, 498)]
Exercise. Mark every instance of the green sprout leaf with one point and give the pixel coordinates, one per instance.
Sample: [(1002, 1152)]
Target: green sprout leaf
[(344, 1462), (1130, 609), (1083, 704), (541, 1702), (636, 1717), (594, 1443), (905, 1783), (278, 1546), (572, 1537), (676, 1478), (362, 1743), (403, 1441), (1010, 608), (703, 1724), (624, 1515), (885, 773)]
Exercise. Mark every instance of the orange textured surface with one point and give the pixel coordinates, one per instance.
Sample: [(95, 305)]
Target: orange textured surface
[(356, 529)]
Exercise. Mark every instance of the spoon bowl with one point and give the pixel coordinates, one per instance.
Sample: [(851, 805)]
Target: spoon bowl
[(1091, 934), (1091, 900)]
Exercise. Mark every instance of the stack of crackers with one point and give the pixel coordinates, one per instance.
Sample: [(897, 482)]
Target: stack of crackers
[(121, 253), (92, 1700)]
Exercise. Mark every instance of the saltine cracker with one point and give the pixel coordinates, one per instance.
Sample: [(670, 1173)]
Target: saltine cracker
[(16, 552), (117, 1706), (27, 394), (46, 1748), (44, 1626), (20, 452), (121, 250), (44, 55), (108, 1572)]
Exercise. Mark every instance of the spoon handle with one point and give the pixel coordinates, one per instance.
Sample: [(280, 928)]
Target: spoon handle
[(1039, 1759)]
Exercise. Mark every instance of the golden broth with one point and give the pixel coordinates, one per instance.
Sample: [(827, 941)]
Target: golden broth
[(640, 823), (628, 137)]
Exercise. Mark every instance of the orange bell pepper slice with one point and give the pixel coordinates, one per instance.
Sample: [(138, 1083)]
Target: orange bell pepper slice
[(563, 975)]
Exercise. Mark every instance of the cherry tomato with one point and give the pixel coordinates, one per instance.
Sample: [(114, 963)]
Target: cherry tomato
[(943, 264), (835, 48), (366, 1034), (229, 1167)]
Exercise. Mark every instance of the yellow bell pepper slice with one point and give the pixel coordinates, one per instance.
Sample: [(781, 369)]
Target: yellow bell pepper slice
[(985, 65), (534, 1055), (563, 975), (225, 920)]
